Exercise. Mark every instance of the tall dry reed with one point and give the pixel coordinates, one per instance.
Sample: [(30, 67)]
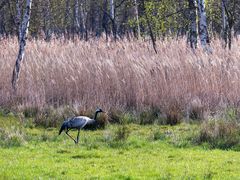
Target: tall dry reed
[(125, 74)]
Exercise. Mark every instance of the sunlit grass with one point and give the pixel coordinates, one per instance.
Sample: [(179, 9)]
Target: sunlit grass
[(149, 151)]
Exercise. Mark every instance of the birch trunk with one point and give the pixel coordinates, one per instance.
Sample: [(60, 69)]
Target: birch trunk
[(76, 16), (47, 20), (67, 19), (230, 20), (112, 17), (224, 24), (2, 23), (193, 25), (83, 16), (22, 43), (105, 18), (18, 20), (137, 19), (203, 32), (112, 13)]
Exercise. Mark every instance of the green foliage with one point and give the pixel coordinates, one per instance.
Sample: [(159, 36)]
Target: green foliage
[(48, 117), (152, 116), (164, 17), (122, 133), (12, 137), (223, 134), (158, 135)]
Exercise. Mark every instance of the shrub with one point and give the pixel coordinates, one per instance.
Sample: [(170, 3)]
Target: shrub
[(221, 134), (115, 116), (102, 120), (195, 109), (158, 135), (150, 116), (174, 114), (122, 133), (48, 117), (12, 137), (30, 112)]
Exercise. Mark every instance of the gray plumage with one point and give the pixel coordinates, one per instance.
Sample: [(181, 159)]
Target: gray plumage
[(78, 123)]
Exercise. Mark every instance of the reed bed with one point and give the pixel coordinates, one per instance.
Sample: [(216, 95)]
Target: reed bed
[(124, 75)]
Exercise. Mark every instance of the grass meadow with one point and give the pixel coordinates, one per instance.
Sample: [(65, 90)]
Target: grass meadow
[(145, 152), (171, 115)]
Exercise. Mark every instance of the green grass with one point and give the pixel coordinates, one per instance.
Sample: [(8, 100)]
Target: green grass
[(155, 152)]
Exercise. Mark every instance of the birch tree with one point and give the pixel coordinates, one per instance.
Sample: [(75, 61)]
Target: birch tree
[(137, 18), (203, 32), (18, 20), (47, 20), (193, 24), (83, 17), (76, 16), (112, 13), (230, 12), (105, 18), (224, 23), (112, 17), (22, 43), (67, 18)]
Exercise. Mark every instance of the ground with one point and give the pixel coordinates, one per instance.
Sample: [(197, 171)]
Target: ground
[(140, 152)]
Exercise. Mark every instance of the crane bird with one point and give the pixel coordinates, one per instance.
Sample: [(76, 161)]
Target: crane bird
[(78, 123)]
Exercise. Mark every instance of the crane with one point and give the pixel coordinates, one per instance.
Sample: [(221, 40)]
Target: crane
[(78, 123)]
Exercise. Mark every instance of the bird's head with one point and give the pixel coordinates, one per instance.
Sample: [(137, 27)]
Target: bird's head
[(98, 110)]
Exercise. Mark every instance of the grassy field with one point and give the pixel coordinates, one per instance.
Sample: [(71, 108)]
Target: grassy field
[(117, 152)]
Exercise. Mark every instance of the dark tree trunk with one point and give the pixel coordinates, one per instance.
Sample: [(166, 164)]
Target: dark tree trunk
[(193, 24), (47, 20), (105, 18)]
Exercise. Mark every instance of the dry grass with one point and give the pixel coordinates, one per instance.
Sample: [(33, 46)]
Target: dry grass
[(122, 75)]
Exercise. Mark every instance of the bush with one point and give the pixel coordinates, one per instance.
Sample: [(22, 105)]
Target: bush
[(11, 137), (150, 117), (30, 112), (115, 116), (48, 117), (195, 109), (122, 133), (158, 135), (223, 134)]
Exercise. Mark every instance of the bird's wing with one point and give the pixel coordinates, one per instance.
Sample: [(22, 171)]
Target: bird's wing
[(79, 121)]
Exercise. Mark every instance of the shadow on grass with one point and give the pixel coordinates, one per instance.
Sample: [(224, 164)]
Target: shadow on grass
[(86, 156)]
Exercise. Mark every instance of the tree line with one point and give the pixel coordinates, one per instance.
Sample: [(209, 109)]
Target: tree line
[(124, 18)]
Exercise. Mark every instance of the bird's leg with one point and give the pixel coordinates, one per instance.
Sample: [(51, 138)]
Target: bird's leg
[(70, 136), (78, 136)]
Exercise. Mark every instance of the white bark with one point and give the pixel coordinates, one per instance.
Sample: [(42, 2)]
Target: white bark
[(83, 16), (224, 17), (203, 32), (67, 18), (22, 43), (224, 24), (112, 13), (76, 15), (137, 19), (18, 20)]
